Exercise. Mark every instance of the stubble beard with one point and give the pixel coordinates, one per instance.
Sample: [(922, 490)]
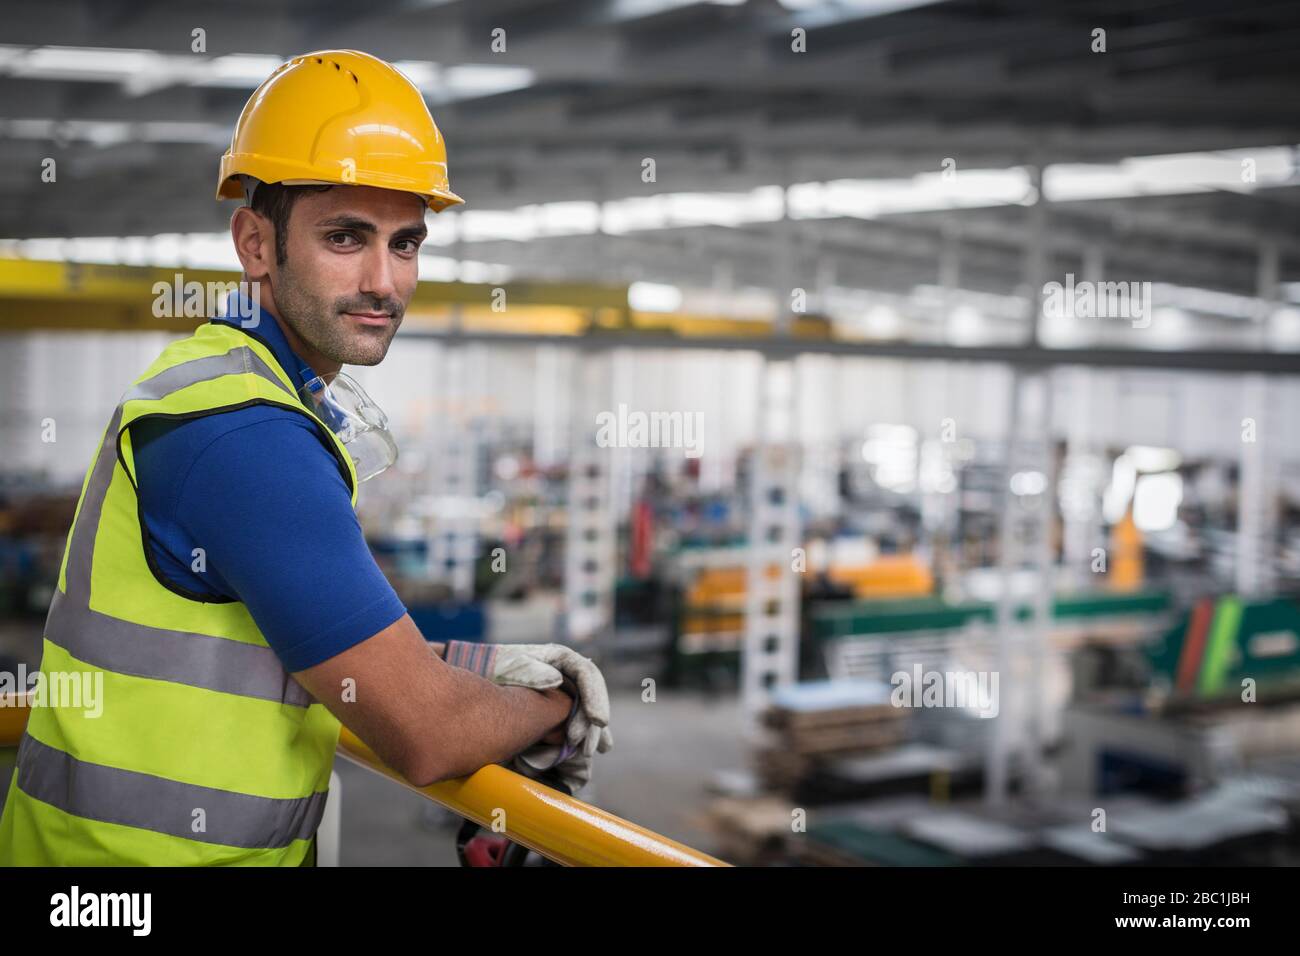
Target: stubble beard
[(323, 326)]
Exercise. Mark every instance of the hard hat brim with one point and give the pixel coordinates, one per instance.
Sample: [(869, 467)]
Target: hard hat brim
[(233, 165)]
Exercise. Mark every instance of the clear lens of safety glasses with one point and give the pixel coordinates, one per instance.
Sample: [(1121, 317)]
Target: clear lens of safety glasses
[(361, 425)]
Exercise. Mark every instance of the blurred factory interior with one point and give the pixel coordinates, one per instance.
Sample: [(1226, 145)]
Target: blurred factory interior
[(792, 360)]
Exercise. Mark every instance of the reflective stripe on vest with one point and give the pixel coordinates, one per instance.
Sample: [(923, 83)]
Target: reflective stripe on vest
[(240, 359), (96, 792), (153, 803)]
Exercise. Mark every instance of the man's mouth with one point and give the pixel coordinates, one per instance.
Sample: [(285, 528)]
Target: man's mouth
[(371, 318)]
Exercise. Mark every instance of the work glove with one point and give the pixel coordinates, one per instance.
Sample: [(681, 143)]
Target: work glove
[(541, 667), (572, 760), (506, 664)]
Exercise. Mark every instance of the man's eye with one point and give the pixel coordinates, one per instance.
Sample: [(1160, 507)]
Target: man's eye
[(407, 246), (343, 239)]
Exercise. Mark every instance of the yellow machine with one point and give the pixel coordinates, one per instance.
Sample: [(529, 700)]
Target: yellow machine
[(715, 601), (888, 576), (1126, 565)]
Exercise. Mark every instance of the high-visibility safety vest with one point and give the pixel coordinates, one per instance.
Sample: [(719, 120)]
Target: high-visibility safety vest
[(205, 750)]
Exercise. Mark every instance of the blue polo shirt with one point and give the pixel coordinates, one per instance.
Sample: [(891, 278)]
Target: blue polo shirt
[(259, 490)]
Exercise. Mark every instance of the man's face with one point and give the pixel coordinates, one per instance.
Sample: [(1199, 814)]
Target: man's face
[(351, 268)]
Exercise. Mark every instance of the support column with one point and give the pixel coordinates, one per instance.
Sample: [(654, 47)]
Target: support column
[(591, 543), (770, 649), (453, 544), (949, 274), (1257, 488), (1024, 524), (1083, 469)]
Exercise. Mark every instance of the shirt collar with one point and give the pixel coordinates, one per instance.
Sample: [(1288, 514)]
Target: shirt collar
[(245, 314)]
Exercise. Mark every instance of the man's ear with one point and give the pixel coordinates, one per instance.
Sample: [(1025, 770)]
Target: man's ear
[(254, 238)]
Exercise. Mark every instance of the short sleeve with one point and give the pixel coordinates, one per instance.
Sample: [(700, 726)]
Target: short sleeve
[(271, 509)]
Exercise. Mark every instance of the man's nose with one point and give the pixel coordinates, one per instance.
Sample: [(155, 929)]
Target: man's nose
[(377, 274)]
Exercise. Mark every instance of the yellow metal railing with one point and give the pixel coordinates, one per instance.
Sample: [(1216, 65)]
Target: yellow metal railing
[(559, 827)]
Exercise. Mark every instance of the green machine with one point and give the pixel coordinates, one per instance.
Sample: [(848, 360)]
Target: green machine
[(836, 619), (1223, 641), (831, 620)]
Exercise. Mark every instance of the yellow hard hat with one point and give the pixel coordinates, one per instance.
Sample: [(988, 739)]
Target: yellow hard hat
[(339, 116)]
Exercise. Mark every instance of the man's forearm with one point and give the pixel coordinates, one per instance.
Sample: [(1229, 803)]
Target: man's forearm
[(428, 720), (492, 724)]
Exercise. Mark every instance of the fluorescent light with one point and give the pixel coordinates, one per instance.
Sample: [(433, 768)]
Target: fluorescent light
[(568, 218), (138, 71), (1125, 484), (475, 272), (1206, 300), (869, 198), (439, 268), (484, 225), (1027, 484), (113, 132), (991, 304), (98, 133), (1156, 500), (820, 14), (96, 249), (966, 326), (466, 81), (1149, 458), (10, 55), (891, 452), (745, 303), (631, 215), (424, 74), (623, 11), (764, 204), (654, 297), (44, 249), (871, 7), (143, 71), (1241, 170), (238, 70), (883, 322), (1284, 329), (208, 250), (158, 132), (84, 63), (29, 128), (480, 79)]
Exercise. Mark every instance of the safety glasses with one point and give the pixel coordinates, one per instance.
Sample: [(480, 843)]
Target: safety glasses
[(345, 408)]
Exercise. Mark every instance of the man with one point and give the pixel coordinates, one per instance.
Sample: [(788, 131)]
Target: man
[(216, 576)]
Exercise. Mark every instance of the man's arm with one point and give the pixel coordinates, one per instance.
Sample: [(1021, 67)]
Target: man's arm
[(427, 720), (333, 617)]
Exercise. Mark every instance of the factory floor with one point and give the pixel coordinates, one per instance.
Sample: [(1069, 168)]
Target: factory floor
[(665, 755)]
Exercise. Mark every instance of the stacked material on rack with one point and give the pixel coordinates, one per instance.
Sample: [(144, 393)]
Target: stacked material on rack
[(815, 722), (914, 767), (888, 576), (750, 831)]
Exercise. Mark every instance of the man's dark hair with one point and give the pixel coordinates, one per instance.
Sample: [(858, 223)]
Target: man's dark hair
[(275, 202)]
